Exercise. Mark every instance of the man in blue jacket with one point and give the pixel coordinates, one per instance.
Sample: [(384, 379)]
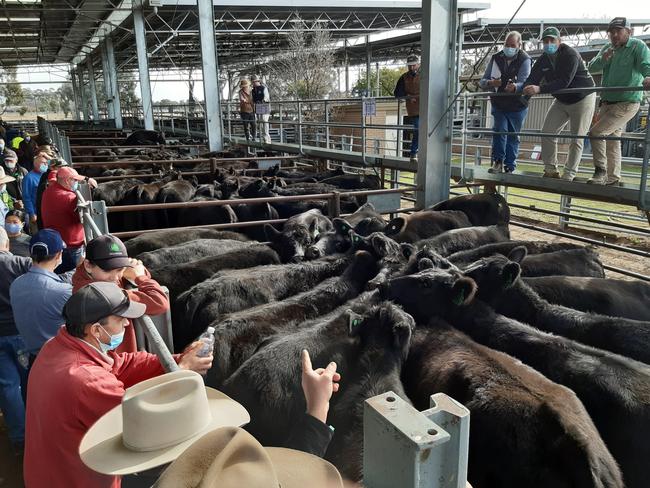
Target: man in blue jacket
[(30, 189)]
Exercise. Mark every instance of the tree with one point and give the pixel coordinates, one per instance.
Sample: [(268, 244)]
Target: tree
[(11, 93), (66, 98), (387, 80), (22, 110)]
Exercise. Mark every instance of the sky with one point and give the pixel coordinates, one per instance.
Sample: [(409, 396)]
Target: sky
[(500, 9)]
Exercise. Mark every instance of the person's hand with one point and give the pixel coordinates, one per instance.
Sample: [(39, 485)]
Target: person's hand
[(531, 90), (189, 360), (92, 183), (494, 83), (646, 83), (318, 387), (135, 271), (18, 205), (33, 218), (607, 55), (510, 88)]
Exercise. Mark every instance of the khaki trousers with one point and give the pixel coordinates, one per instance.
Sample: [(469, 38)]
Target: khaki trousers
[(579, 115), (612, 118)]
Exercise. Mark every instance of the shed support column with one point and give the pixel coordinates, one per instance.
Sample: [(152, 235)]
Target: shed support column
[(143, 64), (84, 95), (117, 107), (210, 76), (93, 90), (368, 56), (437, 82), (347, 69), (108, 86), (75, 94)]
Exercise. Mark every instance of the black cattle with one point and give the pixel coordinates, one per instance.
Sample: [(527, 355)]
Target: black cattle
[(150, 241), (424, 225), (234, 290), (254, 213), (193, 216), (276, 171), (481, 209), (143, 195), (525, 430), (113, 193), (261, 189), (240, 334), (605, 296), (457, 240), (186, 252), (365, 220), (487, 250), (392, 255), (499, 286), (175, 191), (354, 182), (615, 390), (145, 138), (569, 262), (297, 234), (210, 190), (348, 204), (368, 344)]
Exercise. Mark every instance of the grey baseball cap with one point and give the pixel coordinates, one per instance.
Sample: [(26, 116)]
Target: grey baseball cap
[(99, 300)]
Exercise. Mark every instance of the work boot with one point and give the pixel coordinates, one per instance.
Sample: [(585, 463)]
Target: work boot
[(599, 178), (553, 173), (612, 181), (497, 167), (509, 170), (568, 176)]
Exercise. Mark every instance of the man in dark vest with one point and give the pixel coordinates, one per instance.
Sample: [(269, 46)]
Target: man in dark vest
[(506, 73), (261, 99), (408, 86)]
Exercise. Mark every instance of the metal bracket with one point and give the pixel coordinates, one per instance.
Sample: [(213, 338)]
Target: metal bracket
[(411, 449)]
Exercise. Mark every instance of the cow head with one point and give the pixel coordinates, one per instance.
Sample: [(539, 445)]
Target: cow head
[(229, 186), (256, 189), (290, 246), (414, 260), (429, 292), (497, 273), (377, 243), (395, 226), (384, 329)]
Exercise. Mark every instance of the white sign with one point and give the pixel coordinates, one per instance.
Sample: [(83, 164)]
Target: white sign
[(369, 107), (262, 108)]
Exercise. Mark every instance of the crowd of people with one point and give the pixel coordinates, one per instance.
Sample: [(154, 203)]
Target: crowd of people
[(624, 62)]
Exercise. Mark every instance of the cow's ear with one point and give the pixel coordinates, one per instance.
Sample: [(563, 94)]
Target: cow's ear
[(463, 291), (231, 170), (407, 249), (272, 183), (510, 273), (355, 238), (518, 254), (341, 226), (395, 226), (354, 322), (313, 228), (425, 263), (259, 184), (271, 232), (379, 245)]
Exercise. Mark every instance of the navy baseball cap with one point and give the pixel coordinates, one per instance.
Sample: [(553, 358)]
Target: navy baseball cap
[(46, 242), (99, 300)]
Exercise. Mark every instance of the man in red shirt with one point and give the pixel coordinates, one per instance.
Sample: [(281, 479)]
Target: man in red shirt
[(59, 212), (108, 260), (77, 378)]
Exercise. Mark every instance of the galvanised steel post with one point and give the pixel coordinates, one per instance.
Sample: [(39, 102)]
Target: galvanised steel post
[(93, 89), (143, 63), (115, 90), (643, 204), (210, 76), (84, 95), (75, 93)]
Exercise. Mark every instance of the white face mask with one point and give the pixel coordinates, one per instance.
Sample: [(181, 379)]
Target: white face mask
[(10, 165), (3, 188)]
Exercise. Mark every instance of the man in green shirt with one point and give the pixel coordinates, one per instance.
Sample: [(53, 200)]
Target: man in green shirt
[(624, 61)]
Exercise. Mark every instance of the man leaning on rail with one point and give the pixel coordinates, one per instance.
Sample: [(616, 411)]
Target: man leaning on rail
[(624, 61), (560, 67)]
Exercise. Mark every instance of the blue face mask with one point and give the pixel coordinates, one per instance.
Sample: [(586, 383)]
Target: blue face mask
[(116, 340), (75, 186), (550, 48), (43, 168), (13, 228), (510, 52)]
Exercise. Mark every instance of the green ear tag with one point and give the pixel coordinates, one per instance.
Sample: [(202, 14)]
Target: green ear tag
[(460, 298), (357, 238)]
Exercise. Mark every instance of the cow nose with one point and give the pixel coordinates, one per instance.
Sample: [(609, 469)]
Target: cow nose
[(312, 253)]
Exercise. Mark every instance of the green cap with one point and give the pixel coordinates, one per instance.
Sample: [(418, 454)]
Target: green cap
[(551, 32)]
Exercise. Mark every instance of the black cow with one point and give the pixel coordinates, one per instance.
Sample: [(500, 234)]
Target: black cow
[(615, 390), (481, 209), (533, 247), (457, 240), (499, 286), (240, 334), (145, 138), (365, 220), (605, 296), (298, 233), (150, 241), (189, 251), (424, 225), (193, 216), (368, 344), (113, 192), (525, 430), (353, 182), (393, 256), (234, 290), (176, 191), (262, 189), (569, 262)]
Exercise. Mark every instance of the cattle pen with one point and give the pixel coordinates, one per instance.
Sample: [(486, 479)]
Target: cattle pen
[(476, 327)]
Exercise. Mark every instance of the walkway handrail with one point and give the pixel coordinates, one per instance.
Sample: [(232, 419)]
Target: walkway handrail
[(564, 91)]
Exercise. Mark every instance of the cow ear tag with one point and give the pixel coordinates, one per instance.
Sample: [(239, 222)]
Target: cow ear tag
[(354, 321)]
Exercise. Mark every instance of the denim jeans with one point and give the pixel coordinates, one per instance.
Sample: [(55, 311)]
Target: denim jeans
[(13, 378), (70, 258), (415, 142), (506, 147)]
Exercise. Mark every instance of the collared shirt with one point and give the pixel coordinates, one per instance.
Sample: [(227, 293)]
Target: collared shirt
[(11, 267), (37, 299), (627, 67)]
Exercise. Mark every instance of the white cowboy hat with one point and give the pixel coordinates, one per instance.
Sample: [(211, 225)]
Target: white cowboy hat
[(158, 419), (232, 458), (4, 178)]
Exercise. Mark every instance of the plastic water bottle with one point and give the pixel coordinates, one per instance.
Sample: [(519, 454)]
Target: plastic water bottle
[(207, 338)]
